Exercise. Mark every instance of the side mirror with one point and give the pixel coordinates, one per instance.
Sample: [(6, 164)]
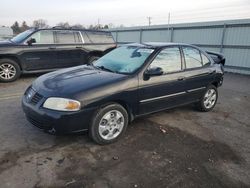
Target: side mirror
[(154, 71), (31, 41)]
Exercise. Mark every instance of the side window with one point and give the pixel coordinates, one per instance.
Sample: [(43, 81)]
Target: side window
[(43, 37), (67, 37), (205, 60), (99, 37), (168, 59), (192, 57)]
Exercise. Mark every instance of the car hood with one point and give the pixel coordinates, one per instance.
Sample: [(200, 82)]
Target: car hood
[(6, 43), (72, 82)]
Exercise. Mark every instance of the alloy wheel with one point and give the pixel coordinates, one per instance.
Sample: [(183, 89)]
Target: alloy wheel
[(111, 125), (7, 71), (210, 98)]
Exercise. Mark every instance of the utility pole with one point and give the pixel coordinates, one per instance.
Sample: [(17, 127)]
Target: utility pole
[(98, 23), (149, 20), (170, 33), (168, 20)]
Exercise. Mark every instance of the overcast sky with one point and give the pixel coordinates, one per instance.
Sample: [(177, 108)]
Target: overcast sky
[(126, 12)]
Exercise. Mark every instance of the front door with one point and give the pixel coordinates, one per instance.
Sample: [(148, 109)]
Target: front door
[(166, 90), (41, 54)]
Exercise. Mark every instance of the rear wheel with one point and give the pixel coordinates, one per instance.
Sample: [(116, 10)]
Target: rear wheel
[(208, 100), (9, 70), (109, 124)]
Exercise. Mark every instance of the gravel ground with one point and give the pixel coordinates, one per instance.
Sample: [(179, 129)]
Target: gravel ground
[(175, 148)]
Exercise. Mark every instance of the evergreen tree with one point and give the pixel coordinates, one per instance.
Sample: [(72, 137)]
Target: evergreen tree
[(15, 27)]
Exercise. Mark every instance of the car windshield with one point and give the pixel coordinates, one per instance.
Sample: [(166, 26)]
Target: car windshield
[(20, 37), (124, 60)]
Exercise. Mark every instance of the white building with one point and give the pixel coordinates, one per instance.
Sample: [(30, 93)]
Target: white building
[(5, 33)]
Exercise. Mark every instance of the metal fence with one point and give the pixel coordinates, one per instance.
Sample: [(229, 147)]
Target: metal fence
[(232, 38)]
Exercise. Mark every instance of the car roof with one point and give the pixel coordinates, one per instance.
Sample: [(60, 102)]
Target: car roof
[(158, 44), (70, 29)]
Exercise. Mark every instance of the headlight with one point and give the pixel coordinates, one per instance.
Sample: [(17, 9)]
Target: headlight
[(62, 104)]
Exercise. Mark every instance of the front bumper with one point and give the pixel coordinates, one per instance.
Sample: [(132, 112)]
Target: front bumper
[(55, 121)]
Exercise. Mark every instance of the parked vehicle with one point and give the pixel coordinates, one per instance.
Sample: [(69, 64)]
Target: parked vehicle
[(130, 81), (44, 50)]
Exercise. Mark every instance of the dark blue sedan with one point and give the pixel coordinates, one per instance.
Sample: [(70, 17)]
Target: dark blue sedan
[(130, 81)]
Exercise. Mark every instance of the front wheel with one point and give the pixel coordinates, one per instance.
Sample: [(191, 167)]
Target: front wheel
[(208, 99), (109, 124), (9, 70)]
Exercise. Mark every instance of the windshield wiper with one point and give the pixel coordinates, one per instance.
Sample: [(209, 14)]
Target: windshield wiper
[(104, 68)]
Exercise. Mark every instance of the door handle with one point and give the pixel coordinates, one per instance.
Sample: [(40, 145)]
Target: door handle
[(181, 78), (78, 47), (52, 47)]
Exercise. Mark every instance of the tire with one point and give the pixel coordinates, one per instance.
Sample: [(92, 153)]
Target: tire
[(208, 100), (104, 129), (92, 59), (9, 70)]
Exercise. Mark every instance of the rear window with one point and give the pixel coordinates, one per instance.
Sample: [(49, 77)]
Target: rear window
[(97, 37), (67, 37)]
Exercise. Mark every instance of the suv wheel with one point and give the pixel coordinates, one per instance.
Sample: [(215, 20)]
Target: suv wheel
[(9, 70), (208, 100), (109, 124)]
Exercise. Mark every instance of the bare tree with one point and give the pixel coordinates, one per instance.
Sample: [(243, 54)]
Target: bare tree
[(91, 27), (24, 26), (99, 26), (110, 25), (78, 26), (105, 26), (40, 23), (63, 24)]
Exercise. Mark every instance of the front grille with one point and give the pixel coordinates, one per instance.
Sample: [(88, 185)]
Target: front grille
[(32, 96), (41, 124), (36, 98)]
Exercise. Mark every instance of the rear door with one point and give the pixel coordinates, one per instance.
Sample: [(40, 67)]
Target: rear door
[(198, 72), (41, 54), (163, 91), (69, 48)]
